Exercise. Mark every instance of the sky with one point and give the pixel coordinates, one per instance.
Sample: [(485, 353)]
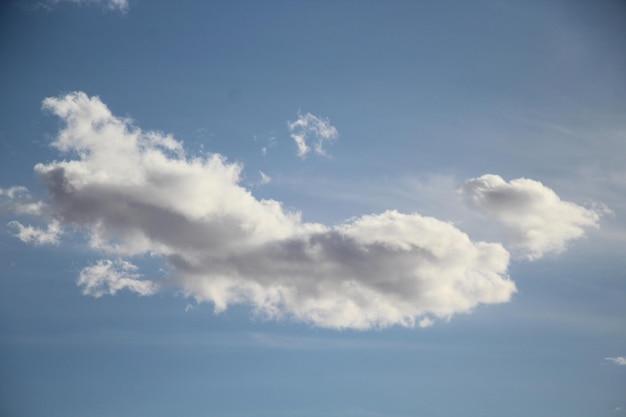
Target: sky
[(312, 208)]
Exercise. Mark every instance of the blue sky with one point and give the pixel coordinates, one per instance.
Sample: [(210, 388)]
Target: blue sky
[(312, 208)]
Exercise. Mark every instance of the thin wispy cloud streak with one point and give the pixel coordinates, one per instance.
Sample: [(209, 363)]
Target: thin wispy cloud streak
[(113, 5), (265, 179), (617, 360), (134, 192)]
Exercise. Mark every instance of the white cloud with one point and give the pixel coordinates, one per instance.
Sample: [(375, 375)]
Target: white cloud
[(311, 131), (536, 219), (618, 360), (37, 236), (376, 270), (109, 277), (18, 201), (135, 192)]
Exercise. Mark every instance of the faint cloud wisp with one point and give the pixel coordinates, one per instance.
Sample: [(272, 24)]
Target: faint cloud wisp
[(618, 360)]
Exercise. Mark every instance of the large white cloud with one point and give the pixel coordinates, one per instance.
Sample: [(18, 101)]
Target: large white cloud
[(536, 219), (135, 192)]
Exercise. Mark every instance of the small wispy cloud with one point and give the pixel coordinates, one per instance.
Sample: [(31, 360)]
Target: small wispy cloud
[(618, 360), (36, 235), (109, 277), (18, 201), (114, 5), (311, 132), (265, 179)]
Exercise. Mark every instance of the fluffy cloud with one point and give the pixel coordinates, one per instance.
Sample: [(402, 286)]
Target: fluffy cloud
[(536, 219), (38, 236), (376, 270), (618, 360), (109, 277), (18, 201), (133, 192), (309, 130)]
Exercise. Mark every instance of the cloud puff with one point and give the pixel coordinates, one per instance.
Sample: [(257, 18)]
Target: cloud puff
[(135, 192), (309, 130), (18, 201), (109, 277), (618, 360), (38, 236), (536, 219)]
